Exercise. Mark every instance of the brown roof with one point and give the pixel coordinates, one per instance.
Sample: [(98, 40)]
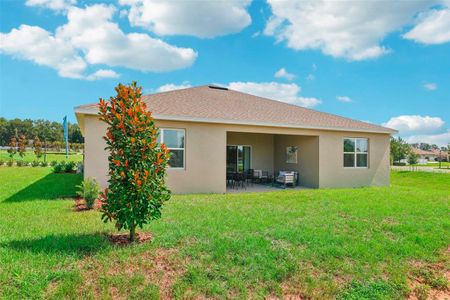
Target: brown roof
[(219, 105), (422, 152)]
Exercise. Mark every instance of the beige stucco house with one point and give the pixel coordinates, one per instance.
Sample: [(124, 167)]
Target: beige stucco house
[(211, 130)]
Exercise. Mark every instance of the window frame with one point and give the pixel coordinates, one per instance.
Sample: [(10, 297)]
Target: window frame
[(161, 137), (355, 152)]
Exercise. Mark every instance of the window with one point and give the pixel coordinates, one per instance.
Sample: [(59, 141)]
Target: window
[(174, 140), (356, 153)]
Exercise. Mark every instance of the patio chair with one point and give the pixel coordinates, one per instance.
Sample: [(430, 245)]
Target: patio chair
[(257, 175), (265, 176), (249, 178), (239, 179), (286, 178)]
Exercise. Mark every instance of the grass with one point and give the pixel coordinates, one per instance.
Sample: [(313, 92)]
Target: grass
[(30, 156), (331, 243)]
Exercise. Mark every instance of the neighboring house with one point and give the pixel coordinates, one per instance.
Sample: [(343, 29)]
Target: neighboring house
[(441, 155), (425, 156), (212, 130)]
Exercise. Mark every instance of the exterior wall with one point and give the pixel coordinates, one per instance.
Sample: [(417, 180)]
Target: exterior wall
[(204, 170), (262, 148), (332, 172), (307, 164), (320, 155)]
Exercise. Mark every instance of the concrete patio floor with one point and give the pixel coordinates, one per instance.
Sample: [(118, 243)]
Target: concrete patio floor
[(259, 188)]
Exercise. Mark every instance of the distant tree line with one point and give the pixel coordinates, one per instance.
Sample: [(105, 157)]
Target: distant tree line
[(49, 133), (428, 147)]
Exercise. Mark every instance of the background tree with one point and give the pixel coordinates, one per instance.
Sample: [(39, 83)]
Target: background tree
[(37, 145), (413, 158), (399, 149), (137, 163), (12, 150), (21, 145)]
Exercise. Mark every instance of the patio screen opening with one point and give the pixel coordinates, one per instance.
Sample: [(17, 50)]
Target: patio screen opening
[(238, 158)]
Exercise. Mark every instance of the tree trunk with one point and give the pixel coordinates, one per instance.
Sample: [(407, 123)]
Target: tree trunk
[(133, 233)]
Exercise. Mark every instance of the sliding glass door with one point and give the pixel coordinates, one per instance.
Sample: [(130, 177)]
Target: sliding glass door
[(238, 158)]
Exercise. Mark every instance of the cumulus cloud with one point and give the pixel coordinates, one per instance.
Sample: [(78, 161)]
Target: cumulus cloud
[(433, 27), (440, 139), (282, 73), (430, 86), (415, 124), (171, 87), (56, 5), (285, 92), (345, 99), (102, 74), (352, 30), (204, 19), (40, 46), (89, 38)]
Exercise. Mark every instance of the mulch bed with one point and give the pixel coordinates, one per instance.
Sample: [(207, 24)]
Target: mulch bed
[(122, 239), (80, 205)]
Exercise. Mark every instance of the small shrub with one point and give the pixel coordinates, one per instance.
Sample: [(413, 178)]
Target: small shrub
[(44, 164), (1, 162), (58, 168), (89, 190), (399, 164), (69, 166), (53, 163), (10, 163), (35, 163), (21, 163)]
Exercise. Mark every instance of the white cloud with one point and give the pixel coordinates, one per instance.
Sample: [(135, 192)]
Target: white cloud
[(415, 124), (352, 30), (440, 139), (345, 99), (433, 27), (282, 73), (102, 74), (171, 87), (56, 5), (284, 92), (40, 46), (430, 86), (90, 38), (204, 19)]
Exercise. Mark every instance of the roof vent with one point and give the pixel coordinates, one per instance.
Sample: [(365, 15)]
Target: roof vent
[(217, 87)]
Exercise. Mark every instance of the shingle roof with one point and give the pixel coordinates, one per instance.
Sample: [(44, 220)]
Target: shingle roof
[(422, 152), (212, 104)]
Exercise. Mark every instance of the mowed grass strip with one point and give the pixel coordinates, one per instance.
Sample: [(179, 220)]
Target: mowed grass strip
[(51, 156), (328, 243)]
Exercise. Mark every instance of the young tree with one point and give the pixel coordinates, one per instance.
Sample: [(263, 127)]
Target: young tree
[(413, 159), (12, 150), (137, 163), (399, 149), (21, 145), (37, 145)]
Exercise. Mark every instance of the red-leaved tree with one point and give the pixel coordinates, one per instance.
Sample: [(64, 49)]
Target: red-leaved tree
[(137, 188)]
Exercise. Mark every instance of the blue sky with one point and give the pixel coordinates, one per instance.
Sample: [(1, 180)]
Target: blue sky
[(381, 62)]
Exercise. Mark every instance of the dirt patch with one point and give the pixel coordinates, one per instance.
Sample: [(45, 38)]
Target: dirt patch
[(123, 239), (80, 205), (115, 278), (430, 280)]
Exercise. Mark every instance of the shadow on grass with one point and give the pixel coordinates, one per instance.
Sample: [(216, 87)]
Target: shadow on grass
[(50, 187), (71, 244)]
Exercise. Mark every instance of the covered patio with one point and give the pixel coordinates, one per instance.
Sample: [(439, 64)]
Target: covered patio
[(268, 162)]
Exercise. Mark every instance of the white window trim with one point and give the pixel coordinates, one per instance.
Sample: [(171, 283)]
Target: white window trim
[(161, 135), (356, 152)]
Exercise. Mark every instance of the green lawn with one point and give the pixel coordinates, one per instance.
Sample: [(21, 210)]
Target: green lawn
[(30, 156), (344, 243)]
